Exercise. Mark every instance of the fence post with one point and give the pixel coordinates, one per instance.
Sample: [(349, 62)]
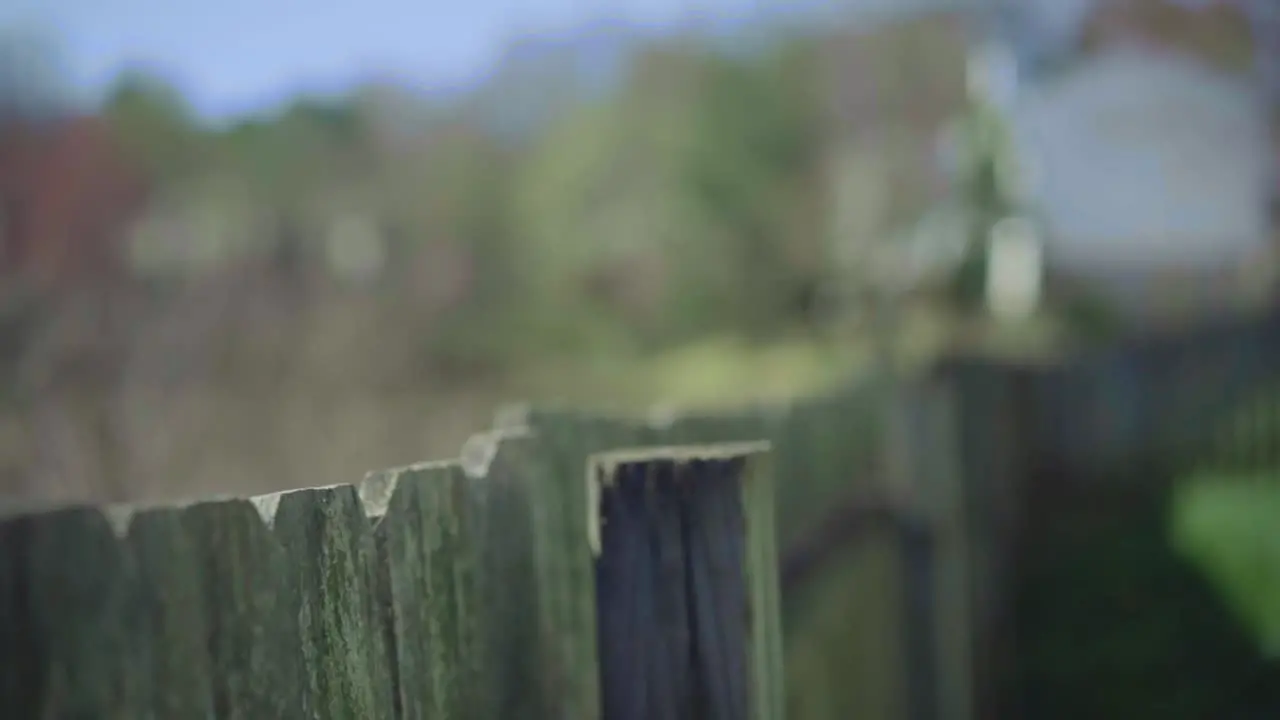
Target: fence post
[(685, 583)]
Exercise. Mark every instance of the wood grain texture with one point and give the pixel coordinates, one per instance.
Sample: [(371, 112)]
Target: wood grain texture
[(252, 612), (425, 588), (514, 679), (686, 588), (174, 640), (331, 566), (68, 610)]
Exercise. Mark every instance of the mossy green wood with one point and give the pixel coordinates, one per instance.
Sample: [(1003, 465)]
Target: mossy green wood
[(563, 442), (844, 626), (174, 641), (768, 687), (69, 618), (563, 560), (506, 602), (252, 612), (425, 587), (331, 564), (842, 629)]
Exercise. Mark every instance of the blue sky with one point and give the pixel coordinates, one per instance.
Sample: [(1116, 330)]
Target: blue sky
[(229, 56)]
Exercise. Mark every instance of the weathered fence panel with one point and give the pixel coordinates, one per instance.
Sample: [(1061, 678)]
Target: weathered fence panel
[(844, 654), (443, 590), (1065, 464), (331, 569), (252, 622), (423, 584), (174, 641), (514, 681), (565, 565), (65, 637), (843, 623)]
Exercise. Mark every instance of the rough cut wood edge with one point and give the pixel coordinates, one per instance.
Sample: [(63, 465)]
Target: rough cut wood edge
[(602, 468)]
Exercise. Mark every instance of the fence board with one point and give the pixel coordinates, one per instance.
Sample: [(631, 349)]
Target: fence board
[(67, 599), (252, 608), (566, 576), (462, 589), (686, 584), (173, 604), (844, 654), (512, 662), (330, 561), (424, 587)]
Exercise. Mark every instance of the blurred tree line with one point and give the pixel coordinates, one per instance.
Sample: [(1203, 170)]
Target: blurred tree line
[(687, 193), (681, 201), (616, 215)]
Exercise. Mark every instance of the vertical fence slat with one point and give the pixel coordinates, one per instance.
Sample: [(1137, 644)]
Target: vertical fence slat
[(174, 608), (331, 562), (920, 591), (557, 473), (252, 621), (824, 448), (936, 547), (716, 537), (69, 618), (422, 543), (757, 486), (641, 612), (460, 589), (510, 658), (686, 584)]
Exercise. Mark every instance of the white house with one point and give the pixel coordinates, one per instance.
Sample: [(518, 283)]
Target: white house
[(1152, 171)]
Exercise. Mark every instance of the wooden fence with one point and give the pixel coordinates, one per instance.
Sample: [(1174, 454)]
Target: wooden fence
[(843, 612), (473, 578), (1077, 604), (481, 588), (926, 565)]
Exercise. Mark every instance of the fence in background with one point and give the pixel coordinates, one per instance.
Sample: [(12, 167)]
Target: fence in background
[(856, 562), (450, 590), (1078, 606), (929, 561)]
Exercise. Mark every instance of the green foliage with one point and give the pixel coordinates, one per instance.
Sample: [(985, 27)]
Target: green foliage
[(1224, 515), (1112, 622), (694, 170), (755, 144), (153, 120), (1228, 527), (294, 154), (686, 200), (1093, 319)]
